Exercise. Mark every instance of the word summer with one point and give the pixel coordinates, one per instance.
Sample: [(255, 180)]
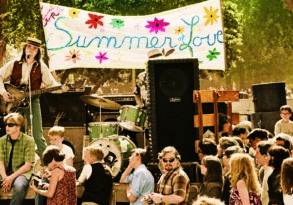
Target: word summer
[(187, 40)]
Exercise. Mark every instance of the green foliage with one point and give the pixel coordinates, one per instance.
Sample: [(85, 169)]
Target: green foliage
[(21, 19), (233, 34), (268, 42)]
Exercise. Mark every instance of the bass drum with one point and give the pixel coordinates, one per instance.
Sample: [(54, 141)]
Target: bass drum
[(117, 150)]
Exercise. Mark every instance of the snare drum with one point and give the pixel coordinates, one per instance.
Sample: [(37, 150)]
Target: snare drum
[(132, 118), (117, 149), (102, 129)]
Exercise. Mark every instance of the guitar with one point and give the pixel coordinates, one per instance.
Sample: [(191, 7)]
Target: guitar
[(19, 97)]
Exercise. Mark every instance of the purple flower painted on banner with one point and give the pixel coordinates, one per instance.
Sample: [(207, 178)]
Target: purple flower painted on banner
[(157, 25), (101, 56)]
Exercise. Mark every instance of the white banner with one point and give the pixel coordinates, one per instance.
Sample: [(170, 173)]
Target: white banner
[(81, 39)]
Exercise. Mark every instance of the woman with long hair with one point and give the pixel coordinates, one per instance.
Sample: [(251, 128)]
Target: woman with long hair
[(287, 181), (212, 170), (244, 182), (277, 155)]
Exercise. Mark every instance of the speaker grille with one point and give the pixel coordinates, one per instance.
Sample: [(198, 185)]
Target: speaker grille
[(171, 85)]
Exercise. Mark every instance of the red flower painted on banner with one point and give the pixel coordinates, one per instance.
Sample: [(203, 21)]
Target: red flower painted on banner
[(94, 20), (101, 57), (157, 25)]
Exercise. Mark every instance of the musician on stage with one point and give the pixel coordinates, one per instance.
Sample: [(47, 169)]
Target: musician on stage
[(29, 68)]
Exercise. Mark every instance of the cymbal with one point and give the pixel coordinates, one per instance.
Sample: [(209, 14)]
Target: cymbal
[(99, 101)]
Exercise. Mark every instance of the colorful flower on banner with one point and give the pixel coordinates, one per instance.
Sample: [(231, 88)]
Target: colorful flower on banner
[(181, 37), (94, 20), (101, 56), (211, 15), (73, 55), (157, 25), (117, 23), (73, 13), (213, 54), (179, 30)]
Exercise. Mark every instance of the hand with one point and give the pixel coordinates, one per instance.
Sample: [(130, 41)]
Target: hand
[(6, 184), (131, 164), (7, 97), (46, 174), (147, 198), (157, 198), (33, 186)]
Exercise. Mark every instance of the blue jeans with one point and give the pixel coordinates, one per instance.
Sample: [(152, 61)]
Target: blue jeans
[(37, 124), (19, 190)]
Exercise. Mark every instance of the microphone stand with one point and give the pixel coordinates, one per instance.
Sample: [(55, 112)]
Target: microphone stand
[(30, 100)]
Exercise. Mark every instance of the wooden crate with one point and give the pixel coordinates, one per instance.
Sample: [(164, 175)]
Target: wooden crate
[(202, 120)]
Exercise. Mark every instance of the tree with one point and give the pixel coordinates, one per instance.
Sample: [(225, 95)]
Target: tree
[(267, 47)]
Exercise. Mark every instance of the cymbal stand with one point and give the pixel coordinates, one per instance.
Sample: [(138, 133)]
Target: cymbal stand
[(100, 113)]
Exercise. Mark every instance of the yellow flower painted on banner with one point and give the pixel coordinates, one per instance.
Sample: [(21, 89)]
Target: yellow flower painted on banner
[(179, 30), (211, 15), (73, 13)]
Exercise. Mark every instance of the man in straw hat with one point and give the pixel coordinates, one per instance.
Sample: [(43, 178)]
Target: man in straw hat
[(29, 68)]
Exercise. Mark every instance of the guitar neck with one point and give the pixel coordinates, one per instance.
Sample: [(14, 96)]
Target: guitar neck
[(39, 92)]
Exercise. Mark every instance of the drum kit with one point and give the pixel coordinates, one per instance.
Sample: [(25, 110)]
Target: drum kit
[(117, 148)]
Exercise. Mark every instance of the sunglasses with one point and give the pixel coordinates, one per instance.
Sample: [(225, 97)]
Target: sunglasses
[(168, 160), (11, 124)]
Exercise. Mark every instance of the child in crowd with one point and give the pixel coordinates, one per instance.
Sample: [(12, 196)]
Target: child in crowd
[(56, 137), (245, 186), (284, 125), (62, 183), (227, 183), (95, 178)]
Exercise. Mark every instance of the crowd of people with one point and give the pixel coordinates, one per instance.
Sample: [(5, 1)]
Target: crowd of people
[(248, 167)]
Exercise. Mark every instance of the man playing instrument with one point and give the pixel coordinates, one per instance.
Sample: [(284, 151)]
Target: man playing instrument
[(31, 69)]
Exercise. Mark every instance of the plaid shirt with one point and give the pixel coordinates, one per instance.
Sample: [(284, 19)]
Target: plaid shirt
[(24, 151), (174, 182)]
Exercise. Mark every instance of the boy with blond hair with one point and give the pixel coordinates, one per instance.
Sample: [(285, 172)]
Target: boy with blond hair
[(56, 137), (96, 179)]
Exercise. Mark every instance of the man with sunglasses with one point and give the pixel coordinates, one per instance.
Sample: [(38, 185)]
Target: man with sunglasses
[(173, 186), (141, 181), (29, 71), (17, 153)]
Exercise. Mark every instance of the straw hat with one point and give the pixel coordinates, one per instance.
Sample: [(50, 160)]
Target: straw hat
[(34, 41)]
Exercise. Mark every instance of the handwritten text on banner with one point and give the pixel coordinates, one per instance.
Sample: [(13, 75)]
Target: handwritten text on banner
[(77, 38)]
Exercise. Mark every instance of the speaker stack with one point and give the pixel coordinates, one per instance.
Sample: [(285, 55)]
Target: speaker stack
[(268, 98), (171, 85)]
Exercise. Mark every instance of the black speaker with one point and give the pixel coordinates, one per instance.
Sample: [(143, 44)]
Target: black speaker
[(171, 85), (66, 108), (269, 97), (266, 120)]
